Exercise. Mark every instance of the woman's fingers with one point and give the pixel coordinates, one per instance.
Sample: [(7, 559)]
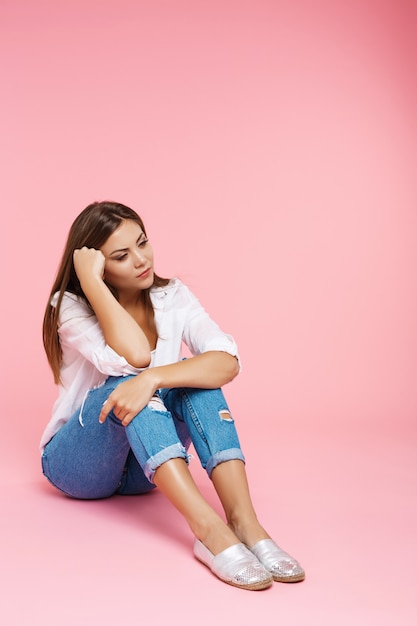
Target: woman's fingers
[(128, 399), (121, 412), (105, 410), (88, 261), (127, 419)]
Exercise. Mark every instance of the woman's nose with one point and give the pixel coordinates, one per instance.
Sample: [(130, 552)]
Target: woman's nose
[(139, 258)]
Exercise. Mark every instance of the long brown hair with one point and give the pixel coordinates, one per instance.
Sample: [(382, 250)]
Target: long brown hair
[(91, 228)]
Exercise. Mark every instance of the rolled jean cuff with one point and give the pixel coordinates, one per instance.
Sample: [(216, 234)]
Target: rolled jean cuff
[(176, 451), (232, 454)]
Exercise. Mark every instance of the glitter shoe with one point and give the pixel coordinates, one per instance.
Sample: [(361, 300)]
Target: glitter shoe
[(283, 567), (236, 566)]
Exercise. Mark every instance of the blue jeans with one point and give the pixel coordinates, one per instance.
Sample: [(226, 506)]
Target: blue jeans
[(88, 460)]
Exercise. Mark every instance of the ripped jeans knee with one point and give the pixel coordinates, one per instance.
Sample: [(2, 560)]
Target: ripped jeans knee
[(209, 421)]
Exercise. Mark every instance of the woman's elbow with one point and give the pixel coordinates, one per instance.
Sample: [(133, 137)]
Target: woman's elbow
[(139, 360), (233, 367)]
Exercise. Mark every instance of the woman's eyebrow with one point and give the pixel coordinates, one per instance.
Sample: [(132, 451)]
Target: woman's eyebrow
[(124, 249)]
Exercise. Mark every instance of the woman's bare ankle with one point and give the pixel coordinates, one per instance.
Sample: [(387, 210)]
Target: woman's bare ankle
[(217, 537), (248, 532)]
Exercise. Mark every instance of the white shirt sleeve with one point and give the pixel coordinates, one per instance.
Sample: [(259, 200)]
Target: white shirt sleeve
[(79, 332), (201, 333)]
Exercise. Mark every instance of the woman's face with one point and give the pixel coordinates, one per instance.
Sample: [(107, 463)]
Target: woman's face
[(129, 259)]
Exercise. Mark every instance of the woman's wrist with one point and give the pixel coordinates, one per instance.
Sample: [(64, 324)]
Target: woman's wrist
[(92, 282), (151, 374)]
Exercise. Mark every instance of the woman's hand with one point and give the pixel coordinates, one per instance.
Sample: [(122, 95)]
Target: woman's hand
[(88, 263), (130, 397)]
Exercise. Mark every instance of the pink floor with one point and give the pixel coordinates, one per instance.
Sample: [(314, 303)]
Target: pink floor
[(343, 502)]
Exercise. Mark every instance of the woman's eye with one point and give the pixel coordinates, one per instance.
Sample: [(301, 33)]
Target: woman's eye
[(143, 243), (121, 257)]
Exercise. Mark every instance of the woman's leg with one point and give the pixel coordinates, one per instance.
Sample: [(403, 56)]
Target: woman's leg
[(89, 460), (242, 519), (157, 441), (210, 423), (237, 502), (206, 415), (86, 459), (213, 433), (216, 545), (174, 479)]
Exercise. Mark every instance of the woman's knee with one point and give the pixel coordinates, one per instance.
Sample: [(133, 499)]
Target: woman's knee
[(210, 423)]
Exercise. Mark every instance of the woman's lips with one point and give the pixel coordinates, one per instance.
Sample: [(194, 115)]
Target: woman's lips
[(145, 274)]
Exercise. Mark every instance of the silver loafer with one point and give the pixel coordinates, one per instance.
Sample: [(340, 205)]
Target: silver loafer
[(236, 566), (283, 567)]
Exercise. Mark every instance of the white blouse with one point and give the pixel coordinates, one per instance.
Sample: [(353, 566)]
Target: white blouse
[(87, 359)]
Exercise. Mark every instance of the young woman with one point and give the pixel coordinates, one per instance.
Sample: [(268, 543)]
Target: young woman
[(129, 406)]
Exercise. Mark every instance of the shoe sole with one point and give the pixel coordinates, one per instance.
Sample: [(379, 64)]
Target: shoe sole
[(254, 587), (289, 579)]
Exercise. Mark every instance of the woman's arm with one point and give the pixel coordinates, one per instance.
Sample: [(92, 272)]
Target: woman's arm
[(120, 330), (204, 371)]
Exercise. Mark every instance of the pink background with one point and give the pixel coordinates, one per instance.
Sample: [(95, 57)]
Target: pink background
[(270, 147)]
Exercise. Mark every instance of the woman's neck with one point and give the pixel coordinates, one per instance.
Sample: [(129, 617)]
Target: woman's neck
[(131, 300)]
